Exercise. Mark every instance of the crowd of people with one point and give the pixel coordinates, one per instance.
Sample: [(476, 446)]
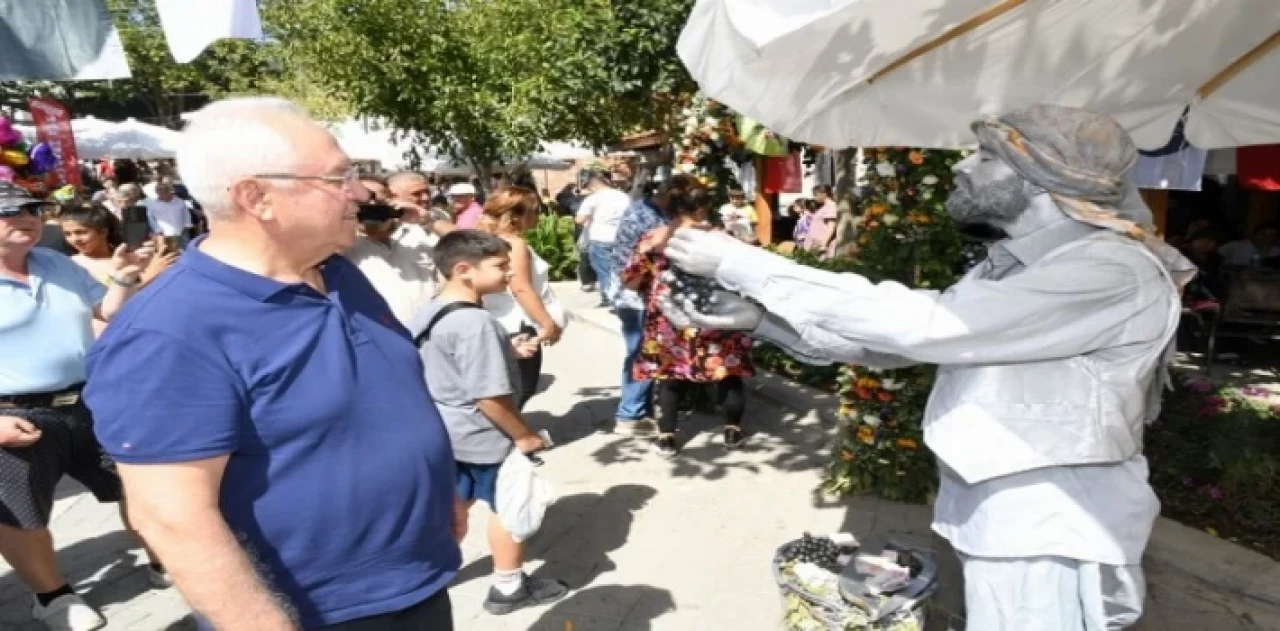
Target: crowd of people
[(296, 320)]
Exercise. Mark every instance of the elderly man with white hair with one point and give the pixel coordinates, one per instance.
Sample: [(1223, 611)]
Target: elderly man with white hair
[(303, 478), (1051, 356)]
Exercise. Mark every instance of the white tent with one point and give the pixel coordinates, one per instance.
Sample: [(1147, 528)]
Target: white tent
[(129, 139), (362, 141), (846, 73)]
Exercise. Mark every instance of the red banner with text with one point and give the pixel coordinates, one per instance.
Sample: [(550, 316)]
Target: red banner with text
[(53, 127)]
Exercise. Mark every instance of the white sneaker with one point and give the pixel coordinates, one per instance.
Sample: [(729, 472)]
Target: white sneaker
[(68, 613), (642, 427), (159, 579)]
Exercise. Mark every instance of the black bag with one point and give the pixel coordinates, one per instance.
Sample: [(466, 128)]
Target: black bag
[(444, 311)]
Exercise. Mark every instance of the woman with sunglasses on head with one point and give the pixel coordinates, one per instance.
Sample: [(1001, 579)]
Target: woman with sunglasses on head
[(529, 306)]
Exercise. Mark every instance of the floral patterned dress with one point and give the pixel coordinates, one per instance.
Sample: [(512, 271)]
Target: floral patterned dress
[(699, 355)]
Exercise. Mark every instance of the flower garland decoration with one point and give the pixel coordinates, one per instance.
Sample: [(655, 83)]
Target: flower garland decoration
[(904, 235), (703, 142)]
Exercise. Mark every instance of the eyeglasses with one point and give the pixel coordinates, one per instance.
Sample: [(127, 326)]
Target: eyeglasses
[(350, 179), (14, 211)]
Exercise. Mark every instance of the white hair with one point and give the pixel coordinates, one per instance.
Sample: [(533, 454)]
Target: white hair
[(232, 139)]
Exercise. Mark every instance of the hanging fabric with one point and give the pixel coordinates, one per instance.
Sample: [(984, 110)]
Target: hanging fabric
[(783, 175), (1258, 167), (59, 40), (1182, 170), (190, 27)]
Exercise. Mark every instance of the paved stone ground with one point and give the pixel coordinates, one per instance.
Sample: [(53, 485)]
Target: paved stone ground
[(645, 543)]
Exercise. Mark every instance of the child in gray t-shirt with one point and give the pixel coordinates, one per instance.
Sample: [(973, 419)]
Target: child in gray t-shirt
[(471, 370)]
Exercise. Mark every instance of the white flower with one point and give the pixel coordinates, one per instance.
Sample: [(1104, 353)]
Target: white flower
[(713, 349), (715, 135), (890, 384), (929, 180), (686, 112), (871, 419), (686, 167), (926, 195), (892, 198), (711, 122), (884, 169), (889, 219)]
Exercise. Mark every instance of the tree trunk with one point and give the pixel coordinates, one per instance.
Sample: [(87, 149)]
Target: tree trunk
[(847, 161)]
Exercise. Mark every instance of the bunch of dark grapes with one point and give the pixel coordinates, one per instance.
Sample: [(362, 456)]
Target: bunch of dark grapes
[(820, 551), (692, 293)]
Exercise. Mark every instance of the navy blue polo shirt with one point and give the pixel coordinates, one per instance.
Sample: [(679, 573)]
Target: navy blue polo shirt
[(340, 479)]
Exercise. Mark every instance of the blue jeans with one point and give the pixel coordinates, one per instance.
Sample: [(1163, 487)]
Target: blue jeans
[(634, 402), (601, 257)]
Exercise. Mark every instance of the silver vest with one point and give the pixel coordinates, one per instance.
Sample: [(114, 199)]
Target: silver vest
[(988, 421)]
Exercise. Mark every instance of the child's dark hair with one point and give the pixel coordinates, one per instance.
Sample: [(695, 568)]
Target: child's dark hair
[(466, 246), (94, 216)]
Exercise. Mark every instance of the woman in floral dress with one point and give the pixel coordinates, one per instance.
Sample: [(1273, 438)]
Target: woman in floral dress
[(679, 358)]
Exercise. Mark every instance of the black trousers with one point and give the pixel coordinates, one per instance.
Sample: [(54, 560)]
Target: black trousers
[(586, 275), (432, 614), (731, 394), (530, 372)]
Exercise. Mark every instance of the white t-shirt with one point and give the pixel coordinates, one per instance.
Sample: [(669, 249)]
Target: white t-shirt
[(403, 274), (605, 207), (168, 218), (504, 308)]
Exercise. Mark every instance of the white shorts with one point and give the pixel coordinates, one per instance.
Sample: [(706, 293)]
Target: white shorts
[(1050, 594)]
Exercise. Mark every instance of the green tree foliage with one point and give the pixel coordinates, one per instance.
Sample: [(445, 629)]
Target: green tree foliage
[(485, 79)]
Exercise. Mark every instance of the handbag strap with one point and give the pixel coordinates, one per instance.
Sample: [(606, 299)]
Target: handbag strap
[(444, 311)]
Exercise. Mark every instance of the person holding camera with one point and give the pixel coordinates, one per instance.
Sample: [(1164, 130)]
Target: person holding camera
[(392, 250)]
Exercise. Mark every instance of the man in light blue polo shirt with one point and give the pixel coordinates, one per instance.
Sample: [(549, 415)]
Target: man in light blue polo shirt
[(303, 477), (47, 305)]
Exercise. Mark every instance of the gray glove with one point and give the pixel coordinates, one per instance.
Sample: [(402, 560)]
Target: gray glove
[(700, 252), (729, 312)]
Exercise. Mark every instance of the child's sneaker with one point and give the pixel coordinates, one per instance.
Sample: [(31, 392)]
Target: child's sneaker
[(532, 592), (665, 446), (733, 437)]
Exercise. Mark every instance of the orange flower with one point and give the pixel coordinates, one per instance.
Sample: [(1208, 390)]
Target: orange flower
[(864, 239), (876, 210), (714, 362), (846, 455), (907, 443), (919, 218), (862, 393), (916, 158), (866, 434), (884, 396)]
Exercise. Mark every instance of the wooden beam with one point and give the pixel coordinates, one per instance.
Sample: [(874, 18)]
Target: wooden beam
[(1238, 66), (1158, 201), (764, 212), (974, 22)]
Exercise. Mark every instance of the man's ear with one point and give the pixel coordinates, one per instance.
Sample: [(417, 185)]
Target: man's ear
[(250, 196)]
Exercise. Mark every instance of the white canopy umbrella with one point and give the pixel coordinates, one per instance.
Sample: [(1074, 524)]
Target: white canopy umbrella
[(130, 139), (361, 143), (846, 73)]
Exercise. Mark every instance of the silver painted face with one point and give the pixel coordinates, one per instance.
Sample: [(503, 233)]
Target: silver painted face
[(987, 191)]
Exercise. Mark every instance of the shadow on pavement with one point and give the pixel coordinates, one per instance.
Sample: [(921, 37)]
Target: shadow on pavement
[(111, 558), (577, 536), (597, 608), (777, 439)]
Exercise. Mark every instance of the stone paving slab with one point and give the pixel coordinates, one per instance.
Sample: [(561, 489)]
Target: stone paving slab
[(646, 543)]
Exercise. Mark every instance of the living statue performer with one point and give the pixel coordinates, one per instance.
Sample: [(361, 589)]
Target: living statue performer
[(1052, 357)]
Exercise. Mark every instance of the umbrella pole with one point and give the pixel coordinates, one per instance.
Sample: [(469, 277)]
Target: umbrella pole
[(988, 14), (764, 213), (1238, 66)]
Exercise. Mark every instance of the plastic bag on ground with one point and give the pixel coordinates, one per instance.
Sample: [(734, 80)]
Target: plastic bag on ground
[(522, 497)]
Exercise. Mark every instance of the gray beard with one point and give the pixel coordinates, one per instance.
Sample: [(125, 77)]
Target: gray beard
[(996, 204)]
